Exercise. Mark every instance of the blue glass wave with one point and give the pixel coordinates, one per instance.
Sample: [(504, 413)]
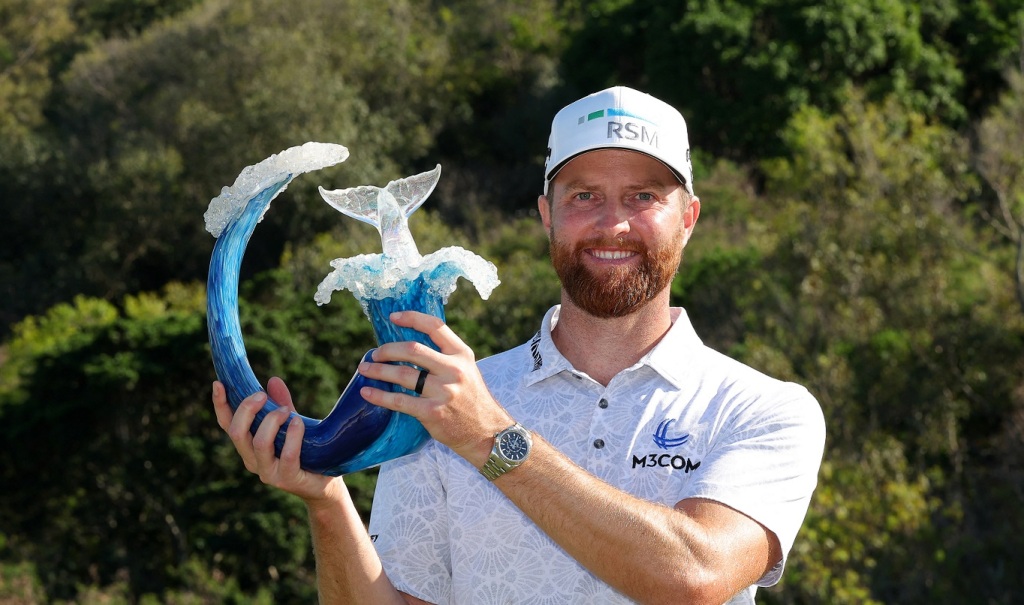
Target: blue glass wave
[(356, 434)]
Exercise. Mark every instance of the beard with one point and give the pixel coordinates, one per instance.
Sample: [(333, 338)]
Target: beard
[(616, 291)]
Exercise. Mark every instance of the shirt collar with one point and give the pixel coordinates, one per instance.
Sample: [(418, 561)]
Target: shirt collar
[(547, 360), (674, 355), (670, 358)]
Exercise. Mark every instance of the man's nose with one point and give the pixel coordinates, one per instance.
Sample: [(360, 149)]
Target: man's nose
[(613, 219)]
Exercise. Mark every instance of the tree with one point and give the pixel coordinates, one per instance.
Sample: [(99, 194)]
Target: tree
[(126, 477), (31, 37), (860, 274), (146, 113), (129, 487), (999, 161), (153, 141), (739, 70), (874, 296), (124, 18)]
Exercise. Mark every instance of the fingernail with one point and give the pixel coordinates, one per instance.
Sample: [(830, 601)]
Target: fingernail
[(396, 315)]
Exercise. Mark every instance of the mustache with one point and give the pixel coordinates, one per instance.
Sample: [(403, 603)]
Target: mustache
[(621, 243)]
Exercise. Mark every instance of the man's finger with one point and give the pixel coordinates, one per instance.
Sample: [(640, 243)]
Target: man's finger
[(241, 422), (221, 407), (396, 402), (292, 449), (446, 340), (402, 375), (266, 435), (279, 392)]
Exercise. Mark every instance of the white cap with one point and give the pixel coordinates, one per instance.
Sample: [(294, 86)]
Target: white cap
[(620, 118)]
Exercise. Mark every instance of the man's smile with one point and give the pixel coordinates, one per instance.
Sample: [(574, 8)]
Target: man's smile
[(611, 254)]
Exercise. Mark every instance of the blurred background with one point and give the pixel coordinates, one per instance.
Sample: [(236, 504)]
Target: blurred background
[(862, 232)]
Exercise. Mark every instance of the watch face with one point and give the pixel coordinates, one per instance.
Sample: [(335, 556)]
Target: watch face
[(513, 446)]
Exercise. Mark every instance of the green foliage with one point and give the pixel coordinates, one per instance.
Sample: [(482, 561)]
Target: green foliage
[(30, 35), (741, 69), (112, 18), (859, 275), (147, 496), (501, 67), (19, 583), (64, 328), (139, 480), (871, 252), (871, 194), (888, 316), (1000, 164), (135, 133), (866, 513)]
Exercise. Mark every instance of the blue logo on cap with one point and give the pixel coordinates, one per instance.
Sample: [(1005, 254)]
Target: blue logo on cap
[(611, 112)]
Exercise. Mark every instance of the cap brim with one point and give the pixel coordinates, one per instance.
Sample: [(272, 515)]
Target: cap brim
[(554, 171)]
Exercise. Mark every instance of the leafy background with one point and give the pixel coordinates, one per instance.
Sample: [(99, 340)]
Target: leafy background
[(862, 233)]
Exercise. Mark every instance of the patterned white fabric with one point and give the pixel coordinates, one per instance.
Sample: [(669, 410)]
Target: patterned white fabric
[(684, 422)]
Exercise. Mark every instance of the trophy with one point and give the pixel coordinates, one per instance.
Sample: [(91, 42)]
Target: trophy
[(356, 434)]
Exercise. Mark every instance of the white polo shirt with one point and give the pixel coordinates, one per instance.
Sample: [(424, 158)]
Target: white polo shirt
[(684, 422)]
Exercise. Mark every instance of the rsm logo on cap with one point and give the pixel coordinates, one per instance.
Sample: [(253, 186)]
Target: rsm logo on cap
[(631, 131)]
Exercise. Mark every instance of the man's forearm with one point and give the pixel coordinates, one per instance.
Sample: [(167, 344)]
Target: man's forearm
[(649, 552), (348, 569)]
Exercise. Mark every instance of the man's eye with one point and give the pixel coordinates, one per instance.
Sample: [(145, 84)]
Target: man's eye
[(645, 197), (585, 196)]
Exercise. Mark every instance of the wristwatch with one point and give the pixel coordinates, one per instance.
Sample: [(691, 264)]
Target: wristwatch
[(511, 447)]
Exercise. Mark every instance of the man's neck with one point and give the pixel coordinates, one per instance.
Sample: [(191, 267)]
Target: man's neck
[(603, 347)]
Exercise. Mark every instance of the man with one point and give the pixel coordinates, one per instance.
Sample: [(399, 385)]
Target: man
[(611, 459)]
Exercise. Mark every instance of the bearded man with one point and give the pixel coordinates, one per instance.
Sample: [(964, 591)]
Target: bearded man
[(613, 458)]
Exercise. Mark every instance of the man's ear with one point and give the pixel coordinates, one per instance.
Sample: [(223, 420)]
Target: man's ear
[(544, 207), (691, 213)]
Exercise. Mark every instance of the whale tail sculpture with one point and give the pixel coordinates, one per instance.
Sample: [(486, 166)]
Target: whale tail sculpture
[(364, 202), (356, 434), (388, 210)]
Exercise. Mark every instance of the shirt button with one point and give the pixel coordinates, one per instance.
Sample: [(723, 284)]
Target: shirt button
[(602, 404), (599, 443)]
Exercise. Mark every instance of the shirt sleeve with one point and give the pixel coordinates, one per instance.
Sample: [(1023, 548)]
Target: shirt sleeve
[(409, 526), (767, 466)]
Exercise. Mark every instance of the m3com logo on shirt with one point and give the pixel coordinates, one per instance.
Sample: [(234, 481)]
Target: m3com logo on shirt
[(665, 441)]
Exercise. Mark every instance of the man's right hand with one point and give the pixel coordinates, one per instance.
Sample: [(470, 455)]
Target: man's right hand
[(257, 451)]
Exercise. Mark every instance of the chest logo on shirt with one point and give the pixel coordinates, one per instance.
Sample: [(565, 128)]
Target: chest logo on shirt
[(661, 438), (666, 440)]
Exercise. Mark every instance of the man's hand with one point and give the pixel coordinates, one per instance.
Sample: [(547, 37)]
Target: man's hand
[(257, 452), (347, 567), (455, 407)]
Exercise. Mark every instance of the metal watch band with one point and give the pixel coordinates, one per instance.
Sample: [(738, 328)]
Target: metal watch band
[(495, 467)]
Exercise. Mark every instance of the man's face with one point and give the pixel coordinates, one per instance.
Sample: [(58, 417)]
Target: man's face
[(617, 223)]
